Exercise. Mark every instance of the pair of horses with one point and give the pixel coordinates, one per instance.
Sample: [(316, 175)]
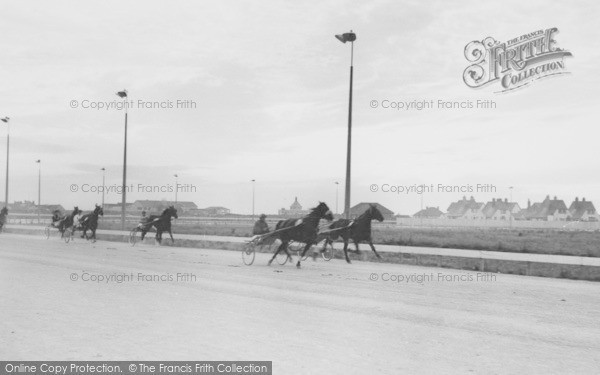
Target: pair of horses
[(305, 230), (161, 222)]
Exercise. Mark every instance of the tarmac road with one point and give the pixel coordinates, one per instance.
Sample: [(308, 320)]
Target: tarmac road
[(110, 301)]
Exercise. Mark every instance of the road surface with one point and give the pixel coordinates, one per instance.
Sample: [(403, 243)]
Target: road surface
[(110, 301)]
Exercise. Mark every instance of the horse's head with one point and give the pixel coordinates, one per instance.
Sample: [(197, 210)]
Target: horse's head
[(374, 213), (170, 211), (323, 212), (98, 211)]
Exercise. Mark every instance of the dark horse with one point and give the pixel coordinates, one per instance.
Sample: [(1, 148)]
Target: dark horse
[(67, 221), (90, 222), (357, 230), (162, 223), (3, 214), (302, 230)]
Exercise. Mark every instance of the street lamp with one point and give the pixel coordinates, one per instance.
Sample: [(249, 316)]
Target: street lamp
[(176, 187), (122, 95), (103, 184), (349, 37), (39, 162), (6, 120), (253, 189), (337, 188)]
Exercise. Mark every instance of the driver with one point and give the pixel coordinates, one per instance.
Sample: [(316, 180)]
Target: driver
[(261, 226)]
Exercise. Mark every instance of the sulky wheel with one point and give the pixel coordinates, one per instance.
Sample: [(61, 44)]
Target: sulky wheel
[(133, 236), (248, 253)]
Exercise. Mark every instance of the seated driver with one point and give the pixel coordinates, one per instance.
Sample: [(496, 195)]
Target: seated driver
[(261, 226), (143, 220)]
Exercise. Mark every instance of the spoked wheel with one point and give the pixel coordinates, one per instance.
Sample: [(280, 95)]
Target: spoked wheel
[(47, 232), (298, 247), (248, 253), (67, 235), (133, 236), (327, 253), (282, 257)]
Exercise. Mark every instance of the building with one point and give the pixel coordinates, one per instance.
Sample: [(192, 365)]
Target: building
[(155, 206), (360, 208), (582, 210), (429, 213), (547, 210), (465, 209), (499, 209), (295, 209)]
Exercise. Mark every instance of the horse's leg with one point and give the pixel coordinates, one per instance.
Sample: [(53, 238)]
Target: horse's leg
[(282, 246), (308, 245), (356, 244), (346, 250), (171, 234), (373, 248)]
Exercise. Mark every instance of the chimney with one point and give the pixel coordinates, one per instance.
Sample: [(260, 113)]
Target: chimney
[(583, 199), (528, 203), (577, 199), (555, 197), (505, 200), (493, 200)]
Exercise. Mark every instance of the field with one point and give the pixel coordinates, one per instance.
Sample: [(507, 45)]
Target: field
[(578, 243), (327, 317)]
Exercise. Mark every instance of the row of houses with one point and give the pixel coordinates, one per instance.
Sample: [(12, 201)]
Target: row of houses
[(550, 209)]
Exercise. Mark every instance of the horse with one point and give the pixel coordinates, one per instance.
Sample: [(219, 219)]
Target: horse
[(358, 230), (3, 214), (67, 221), (90, 222), (162, 224), (302, 230)]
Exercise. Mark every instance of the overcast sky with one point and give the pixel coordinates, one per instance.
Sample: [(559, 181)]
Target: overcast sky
[(271, 86)]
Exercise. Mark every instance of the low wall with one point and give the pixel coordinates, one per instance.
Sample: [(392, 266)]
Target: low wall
[(475, 261)]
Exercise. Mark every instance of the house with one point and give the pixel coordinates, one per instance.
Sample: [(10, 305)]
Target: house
[(360, 208), (547, 210), (499, 209), (465, 209), (582, 210), (295, 209), (429, 213)]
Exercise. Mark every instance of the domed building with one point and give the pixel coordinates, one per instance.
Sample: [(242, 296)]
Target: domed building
[(295, 209)]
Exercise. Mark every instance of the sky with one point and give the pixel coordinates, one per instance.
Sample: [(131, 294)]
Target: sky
[(270, 87)]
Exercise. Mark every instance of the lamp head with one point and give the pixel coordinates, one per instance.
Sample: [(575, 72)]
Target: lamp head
[(5, 119), (122, 94), (346, 37)]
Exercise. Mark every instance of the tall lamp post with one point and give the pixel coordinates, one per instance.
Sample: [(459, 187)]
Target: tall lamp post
[(337, 191), (349, 37), (39, 162), (123, 95), (253, 190), (6, 120), (103, 184), (176, 186)]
